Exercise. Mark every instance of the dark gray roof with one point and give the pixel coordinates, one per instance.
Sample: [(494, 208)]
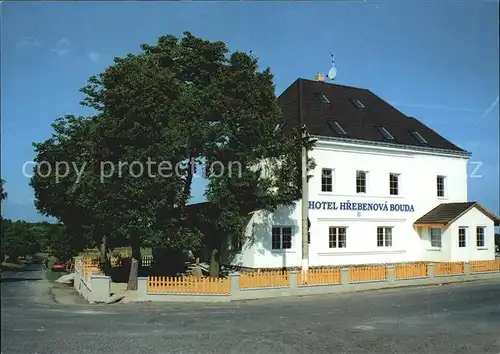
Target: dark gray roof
[(359, 112), (445, 213)]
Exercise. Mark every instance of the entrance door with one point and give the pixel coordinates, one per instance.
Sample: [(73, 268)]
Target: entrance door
[(463, 245)]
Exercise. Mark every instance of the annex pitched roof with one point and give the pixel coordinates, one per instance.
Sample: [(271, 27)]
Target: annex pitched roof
[(445, 213), (360, 114)]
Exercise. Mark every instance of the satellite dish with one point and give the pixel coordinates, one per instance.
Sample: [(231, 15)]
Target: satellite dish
[(332, 74)]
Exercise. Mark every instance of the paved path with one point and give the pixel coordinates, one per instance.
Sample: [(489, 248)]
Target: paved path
[(458, 318)]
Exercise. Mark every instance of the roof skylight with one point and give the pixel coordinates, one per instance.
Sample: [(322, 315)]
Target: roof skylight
[(358, 104), (385, 133), (279, 126), (336, 127), (419, 137), (321, 97)]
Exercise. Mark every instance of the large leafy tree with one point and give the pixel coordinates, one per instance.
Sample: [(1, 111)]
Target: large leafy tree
[(178, 102), (19, 238), (65, 173)]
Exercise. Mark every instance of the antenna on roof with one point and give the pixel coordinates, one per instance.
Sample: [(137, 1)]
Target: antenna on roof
[(332, 74)]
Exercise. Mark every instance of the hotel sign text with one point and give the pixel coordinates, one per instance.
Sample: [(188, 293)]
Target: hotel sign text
[(348, 205)]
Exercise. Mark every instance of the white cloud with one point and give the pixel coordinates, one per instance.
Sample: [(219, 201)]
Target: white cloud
[(62, 52), (29, 41), (94, 56), (63, 42), (62, 47), (488, 110)]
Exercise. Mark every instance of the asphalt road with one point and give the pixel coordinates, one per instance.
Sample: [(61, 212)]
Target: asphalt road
[(459, 318)]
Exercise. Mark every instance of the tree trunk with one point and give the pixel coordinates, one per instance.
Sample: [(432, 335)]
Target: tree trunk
[(134, 271), (136, 251), (104, 255), (214, 264), (135, 264)]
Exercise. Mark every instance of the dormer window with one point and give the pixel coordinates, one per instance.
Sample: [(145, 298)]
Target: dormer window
[(419, 137), (358, 104), (336, 127), (320, 97), (385, 133)]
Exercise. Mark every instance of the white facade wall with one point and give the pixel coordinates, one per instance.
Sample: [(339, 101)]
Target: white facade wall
[(471, 221), (418, 171)]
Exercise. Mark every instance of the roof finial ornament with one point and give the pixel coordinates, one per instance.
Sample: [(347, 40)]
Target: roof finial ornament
[(332, 74)]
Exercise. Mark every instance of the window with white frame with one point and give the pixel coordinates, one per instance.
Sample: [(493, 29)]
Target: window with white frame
[(326, 180), (462, 237), (394, 183), (440, 181), (361, 181), (480, 242), (337, 237), (436, 237), (281, 237), (384, 236)]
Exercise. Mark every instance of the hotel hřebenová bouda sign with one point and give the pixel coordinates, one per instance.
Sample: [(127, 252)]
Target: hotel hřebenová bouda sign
[(355, 206)]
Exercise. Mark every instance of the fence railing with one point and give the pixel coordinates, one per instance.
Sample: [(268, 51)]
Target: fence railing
[(116, 261), (319, 277), (449, 268), (485, 266), (147, 261), (408, 271), (188, 285), (298, 282), (370, 273), (87, 267), (264, 279)]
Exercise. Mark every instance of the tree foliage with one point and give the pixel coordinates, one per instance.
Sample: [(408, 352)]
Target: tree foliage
[(178, 103), (58, 185), (3, 193), (22, 238)]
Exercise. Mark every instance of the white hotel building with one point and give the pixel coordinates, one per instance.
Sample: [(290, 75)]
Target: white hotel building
[(386, 188)]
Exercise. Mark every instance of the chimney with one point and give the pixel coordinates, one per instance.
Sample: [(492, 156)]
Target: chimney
[(319, 77)]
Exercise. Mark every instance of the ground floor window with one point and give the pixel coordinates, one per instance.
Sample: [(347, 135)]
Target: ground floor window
[(462, 235), (436, 237), (337, 237), (480, 236), (384, 236), (281, 237)]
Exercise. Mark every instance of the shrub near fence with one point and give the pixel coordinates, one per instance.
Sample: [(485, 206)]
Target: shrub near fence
[(449, 268), (485, 266), (407, 271), (188, 285), (373, 273), (319, 277), (264, 279)]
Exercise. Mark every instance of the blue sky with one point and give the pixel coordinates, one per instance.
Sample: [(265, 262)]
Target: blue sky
[(436, 61)]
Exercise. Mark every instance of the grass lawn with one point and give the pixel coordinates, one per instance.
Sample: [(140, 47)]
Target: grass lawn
[(22, 262), (12, 266)]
